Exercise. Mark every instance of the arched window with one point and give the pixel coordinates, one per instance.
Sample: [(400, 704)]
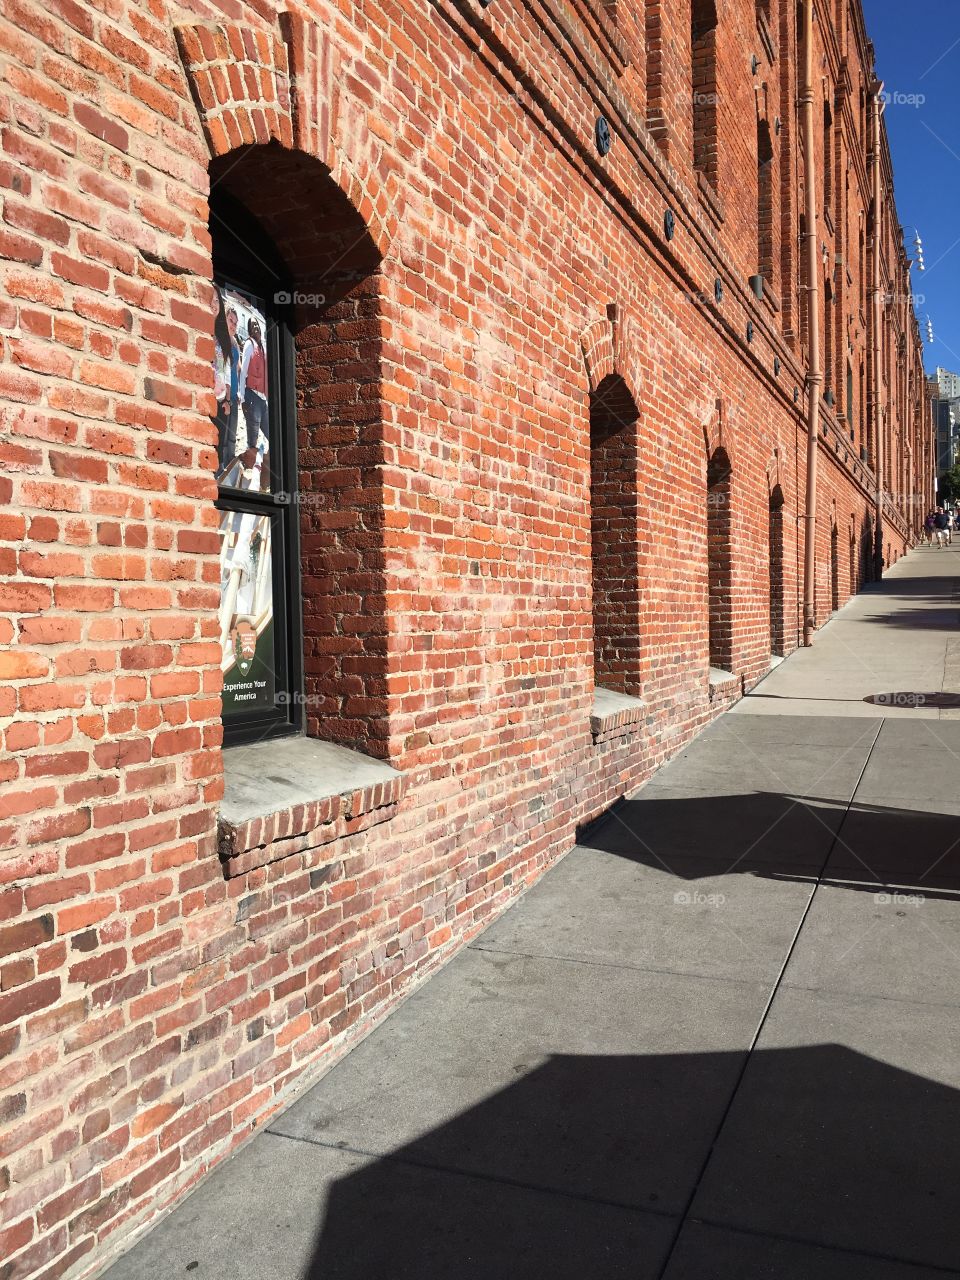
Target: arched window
[(256, 482), (776, 562), (829, 332), (720, 560), (303, 560), (613, 536), (764, 200), (834, 568), (703, 48)]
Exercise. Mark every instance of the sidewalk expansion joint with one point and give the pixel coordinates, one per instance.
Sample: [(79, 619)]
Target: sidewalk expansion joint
[(809, 1242), (913, 1001), (389, 1157), (609, 964), (685, 1216)]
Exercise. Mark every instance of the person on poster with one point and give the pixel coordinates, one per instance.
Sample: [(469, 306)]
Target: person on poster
[(253, 386), (226, 366)]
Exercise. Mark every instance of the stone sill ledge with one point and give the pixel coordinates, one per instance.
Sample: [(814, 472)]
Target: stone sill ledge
[(723, 683), (292, 794), (770, 299), (596, 16), (614, 713), (709, 199)]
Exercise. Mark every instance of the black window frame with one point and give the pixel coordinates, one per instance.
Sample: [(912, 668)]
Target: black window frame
[(245, 260)]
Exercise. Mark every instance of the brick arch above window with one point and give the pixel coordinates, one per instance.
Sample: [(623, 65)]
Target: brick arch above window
[(596, 342), (609, 346), (719, 436), (254, 86)]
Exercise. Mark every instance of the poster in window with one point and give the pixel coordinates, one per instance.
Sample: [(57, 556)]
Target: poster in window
[(241, 385), (246, 613)]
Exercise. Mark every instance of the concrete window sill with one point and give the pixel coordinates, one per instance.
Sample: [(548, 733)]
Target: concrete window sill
[(293, 794), (723, 683), (614, 713)]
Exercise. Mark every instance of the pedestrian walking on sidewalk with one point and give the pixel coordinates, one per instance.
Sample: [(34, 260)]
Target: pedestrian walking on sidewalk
[(929, 526), (951, 525), (940, 527)]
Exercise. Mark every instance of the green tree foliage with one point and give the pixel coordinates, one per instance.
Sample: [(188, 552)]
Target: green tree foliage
[(948, 488)]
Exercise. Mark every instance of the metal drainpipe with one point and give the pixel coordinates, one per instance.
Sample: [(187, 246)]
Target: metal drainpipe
[(814, 375), (875, 90)]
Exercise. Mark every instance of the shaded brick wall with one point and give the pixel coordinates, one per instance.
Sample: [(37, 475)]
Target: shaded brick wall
[(339, 412), (433, 173), (614, 530), (776, 556), (720, 555)]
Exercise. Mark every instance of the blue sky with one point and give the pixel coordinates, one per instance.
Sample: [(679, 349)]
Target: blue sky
[(918, 58)]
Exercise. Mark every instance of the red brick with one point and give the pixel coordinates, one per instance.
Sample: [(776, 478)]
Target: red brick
[(87, 913), (20, 248), (23, 1000), (31, 933), (35, 222), (16, 665), (101, 126)]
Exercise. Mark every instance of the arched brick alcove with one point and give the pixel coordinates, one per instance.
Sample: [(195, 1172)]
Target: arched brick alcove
[(273, 113), (775, 530), (331, 269), (720, 558), (252, 87), (614, 536)]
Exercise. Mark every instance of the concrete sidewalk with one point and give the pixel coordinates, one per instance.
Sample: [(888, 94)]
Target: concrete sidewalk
[(720, 1039)]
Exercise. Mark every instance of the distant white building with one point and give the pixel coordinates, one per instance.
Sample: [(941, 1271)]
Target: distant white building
[(948, 384), (945, 393)]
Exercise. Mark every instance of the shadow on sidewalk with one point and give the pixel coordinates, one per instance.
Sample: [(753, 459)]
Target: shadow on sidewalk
[(944, 618), (822, 1144), (870, 847)]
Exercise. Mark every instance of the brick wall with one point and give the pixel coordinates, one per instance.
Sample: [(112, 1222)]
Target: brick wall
[(432, 172)]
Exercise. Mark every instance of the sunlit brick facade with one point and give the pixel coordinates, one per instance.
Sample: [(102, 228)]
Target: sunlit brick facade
[(545, 447)]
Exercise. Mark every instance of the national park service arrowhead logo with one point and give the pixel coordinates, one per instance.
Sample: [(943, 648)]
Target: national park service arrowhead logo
[(244, 646)]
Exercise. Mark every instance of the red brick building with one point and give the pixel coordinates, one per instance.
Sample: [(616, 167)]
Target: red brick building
[(415, 394)]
